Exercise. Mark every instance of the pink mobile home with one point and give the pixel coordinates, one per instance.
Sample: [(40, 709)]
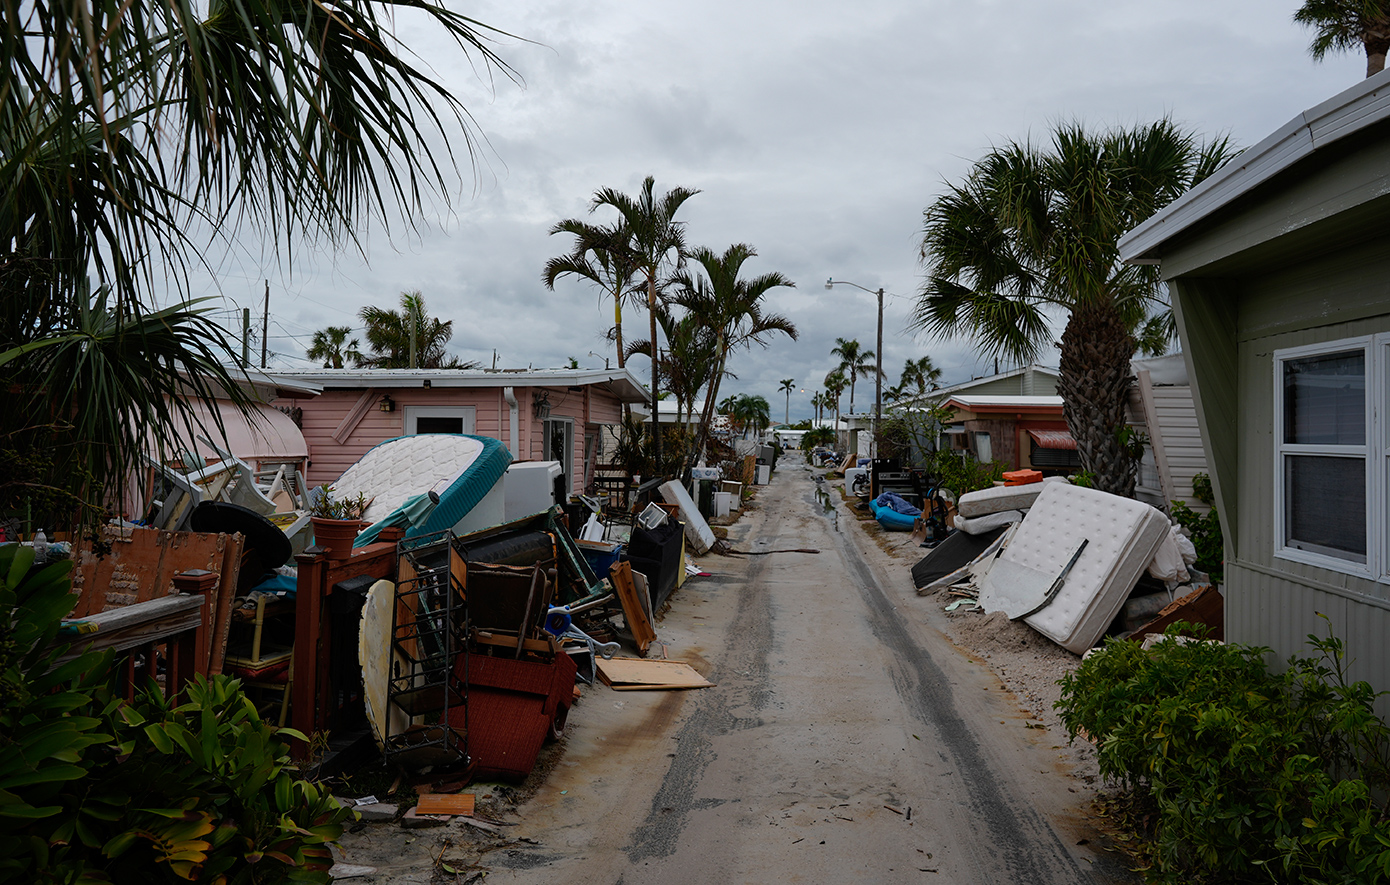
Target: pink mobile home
[(542, 415)]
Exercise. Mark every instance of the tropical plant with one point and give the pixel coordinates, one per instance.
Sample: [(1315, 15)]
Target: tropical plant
[(787, 385), (751, 413), (1033, 230), (409, 338), (687, 362), (327, 506), (97, 789), (655, 242), (333, 346), (817, 436), (128, 127), (601, 256), (855, 363), (1344, 25), (732, 307)]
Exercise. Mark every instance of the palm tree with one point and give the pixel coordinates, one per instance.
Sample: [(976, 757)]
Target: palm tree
[(855, 362), (835, 384), (1033, 229), (333, 347), (787, 385), (409, 338), (1347, 25), (732, 308), (688, 360), (655, 242), (600, 255), (751, 413), (920, 373), (123, 127)]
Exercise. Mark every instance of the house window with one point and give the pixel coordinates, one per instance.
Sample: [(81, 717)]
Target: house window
[(1325, 476), (438, 419), (983, 451)]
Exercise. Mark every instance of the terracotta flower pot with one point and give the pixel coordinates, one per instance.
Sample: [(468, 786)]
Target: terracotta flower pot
[(336, 535)]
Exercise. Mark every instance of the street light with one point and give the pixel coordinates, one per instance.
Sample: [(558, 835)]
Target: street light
[(878, 357)]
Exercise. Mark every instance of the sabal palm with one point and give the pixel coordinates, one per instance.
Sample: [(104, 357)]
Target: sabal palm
[(126, 125), (389, 336), (1032, 230), (787, 385), (855, 363), (732, 307), (333, 347), (600, 255), (656, 241), (1348, 25)]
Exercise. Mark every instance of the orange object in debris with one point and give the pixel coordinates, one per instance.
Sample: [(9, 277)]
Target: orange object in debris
[(1022, 477)]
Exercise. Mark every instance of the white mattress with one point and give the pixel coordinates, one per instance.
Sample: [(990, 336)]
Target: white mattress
[(407, 466), (997, 499), (980, 524), (1123, 535)]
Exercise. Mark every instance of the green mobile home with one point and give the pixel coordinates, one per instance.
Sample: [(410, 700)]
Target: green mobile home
[(1279, 271)]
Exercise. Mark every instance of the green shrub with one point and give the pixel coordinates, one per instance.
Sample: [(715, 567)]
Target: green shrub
[(961, 475), (95, 789), (1204, 529), (1247, 769)]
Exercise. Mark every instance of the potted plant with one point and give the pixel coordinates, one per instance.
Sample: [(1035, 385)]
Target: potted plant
[(336, 521)]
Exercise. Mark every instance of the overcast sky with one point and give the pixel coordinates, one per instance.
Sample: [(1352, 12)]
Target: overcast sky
[(816, 132)]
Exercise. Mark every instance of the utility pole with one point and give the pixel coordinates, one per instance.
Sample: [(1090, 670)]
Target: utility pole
[(265, 323), (245, 337), (412, 339)]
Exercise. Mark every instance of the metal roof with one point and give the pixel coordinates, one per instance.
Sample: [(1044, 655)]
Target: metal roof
[(620, 382), (1053, 439)]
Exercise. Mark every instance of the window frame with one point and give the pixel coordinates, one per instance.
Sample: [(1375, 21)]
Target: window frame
[(1374, 349), (412, 414)]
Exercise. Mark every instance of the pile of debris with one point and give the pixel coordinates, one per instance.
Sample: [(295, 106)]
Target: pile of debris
[(1074, 564)]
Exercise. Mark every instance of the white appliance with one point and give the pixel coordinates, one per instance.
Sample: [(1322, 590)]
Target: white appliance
[(530, 487)]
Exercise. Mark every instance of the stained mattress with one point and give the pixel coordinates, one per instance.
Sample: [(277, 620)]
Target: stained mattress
[(394, 474), (1123, 535), (1000, 498)]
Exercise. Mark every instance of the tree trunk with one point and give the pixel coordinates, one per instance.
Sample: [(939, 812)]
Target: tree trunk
[(1094, 384), (618, 330), (656, 409)]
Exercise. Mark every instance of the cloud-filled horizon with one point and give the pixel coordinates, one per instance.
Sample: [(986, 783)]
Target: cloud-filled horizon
[(815, 133)]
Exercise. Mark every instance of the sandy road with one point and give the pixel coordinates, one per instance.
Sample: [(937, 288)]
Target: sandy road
[(836, 698)]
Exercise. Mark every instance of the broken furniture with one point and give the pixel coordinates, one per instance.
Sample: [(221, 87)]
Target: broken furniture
[(264, 548), (426, 716), (260, 650), (635, 613), (697, 531), (657, 553)]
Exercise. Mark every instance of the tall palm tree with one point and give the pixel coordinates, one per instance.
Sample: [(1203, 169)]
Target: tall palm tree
[(1035, 229), (333, 347), (855, 363), (835, 384), (123, 127), (409, 338), (656, 242), (1348, 25), (732, 307), (787, 385), (688, 360), (600, 255)]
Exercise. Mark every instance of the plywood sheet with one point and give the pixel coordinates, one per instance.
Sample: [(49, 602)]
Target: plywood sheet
[(627, 674), (446, 803), (634, 613), (142, 563)]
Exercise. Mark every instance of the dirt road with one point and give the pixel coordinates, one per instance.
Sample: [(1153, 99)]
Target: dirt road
[(846, 739)]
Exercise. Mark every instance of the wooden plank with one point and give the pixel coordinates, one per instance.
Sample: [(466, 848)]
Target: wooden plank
[(623, 674), (134, 625), (642, 633), (350, 421), (141, 565), (446, 803), (223, 598)]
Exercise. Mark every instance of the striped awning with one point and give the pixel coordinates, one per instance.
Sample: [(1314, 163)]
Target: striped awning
[(1053, 439)]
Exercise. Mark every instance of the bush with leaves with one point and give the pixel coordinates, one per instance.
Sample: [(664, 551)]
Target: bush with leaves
[(95, 789), (1203, 528), (1251, 773), (949, 469)]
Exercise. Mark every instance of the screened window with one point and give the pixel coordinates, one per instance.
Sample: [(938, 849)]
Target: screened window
[(1325, 475), (439, 419)]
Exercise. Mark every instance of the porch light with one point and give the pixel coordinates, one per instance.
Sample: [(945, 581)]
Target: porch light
[(541, 405), (387, 404)]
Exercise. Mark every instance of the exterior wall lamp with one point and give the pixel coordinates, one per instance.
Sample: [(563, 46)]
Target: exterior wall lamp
[(387, 404), (541, 405)]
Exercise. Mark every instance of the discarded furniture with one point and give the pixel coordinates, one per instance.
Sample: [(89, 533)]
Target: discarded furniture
[(515, 703), (634, 612), (697, 531), (170, 628), (1202, 606), (657, 553)]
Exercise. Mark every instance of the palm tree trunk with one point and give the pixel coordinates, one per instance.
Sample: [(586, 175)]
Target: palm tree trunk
[(656, 409), (618, 330), (1094, 384)]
